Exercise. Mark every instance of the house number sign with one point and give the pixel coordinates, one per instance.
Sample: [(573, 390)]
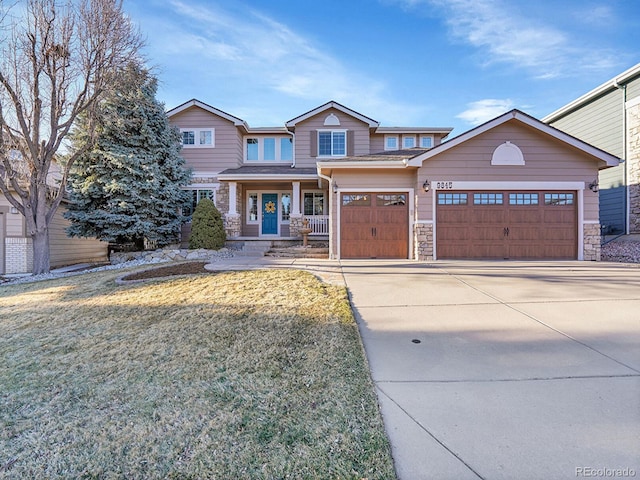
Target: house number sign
[(444, 185)]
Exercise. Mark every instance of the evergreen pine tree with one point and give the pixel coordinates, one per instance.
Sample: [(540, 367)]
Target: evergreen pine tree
[(207, 228), (128, 187)]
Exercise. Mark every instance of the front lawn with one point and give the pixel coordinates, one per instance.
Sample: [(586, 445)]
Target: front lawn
[(225, 376)]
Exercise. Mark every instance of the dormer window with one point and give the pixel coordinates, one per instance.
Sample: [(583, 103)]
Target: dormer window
[(426, 141), (408, 142), (390, 142), (332, 143)]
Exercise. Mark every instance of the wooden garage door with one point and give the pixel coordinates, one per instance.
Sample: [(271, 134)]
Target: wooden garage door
[(509, 225), (374, 225)]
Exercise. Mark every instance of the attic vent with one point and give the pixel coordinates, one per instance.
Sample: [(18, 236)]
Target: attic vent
[(331, 120), (507, 154)]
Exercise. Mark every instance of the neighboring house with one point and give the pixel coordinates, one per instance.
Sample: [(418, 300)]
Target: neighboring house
[(608, 117), (16, 247), (513, 187)]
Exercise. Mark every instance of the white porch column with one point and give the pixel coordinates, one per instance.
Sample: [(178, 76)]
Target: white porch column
[(233, 207), (295, 204)]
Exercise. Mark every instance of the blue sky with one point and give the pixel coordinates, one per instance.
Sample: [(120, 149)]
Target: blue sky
[(437, 63)]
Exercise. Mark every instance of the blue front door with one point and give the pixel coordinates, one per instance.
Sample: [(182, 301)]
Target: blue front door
[(269, 213)]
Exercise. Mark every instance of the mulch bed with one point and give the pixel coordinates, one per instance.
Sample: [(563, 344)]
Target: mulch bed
[(190, 268)]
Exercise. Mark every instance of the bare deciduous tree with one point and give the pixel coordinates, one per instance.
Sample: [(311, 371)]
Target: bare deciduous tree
[(57, 58)]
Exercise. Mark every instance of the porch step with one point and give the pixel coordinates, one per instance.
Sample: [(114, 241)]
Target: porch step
[(254, 249), (298, 252)]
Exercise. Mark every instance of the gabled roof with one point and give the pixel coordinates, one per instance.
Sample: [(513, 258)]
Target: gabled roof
[(238, 122), (371, 122), (615, 82), (608, 159)]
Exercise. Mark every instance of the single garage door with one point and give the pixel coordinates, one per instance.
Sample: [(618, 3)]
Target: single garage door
[(374, 225), (506, 225)]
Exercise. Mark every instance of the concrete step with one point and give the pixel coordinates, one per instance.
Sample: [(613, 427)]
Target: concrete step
[(296, 255)]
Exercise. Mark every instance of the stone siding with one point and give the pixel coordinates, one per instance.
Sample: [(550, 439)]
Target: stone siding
[(423, 241), (232, 225), (295, 224), (592, 242), (633, 159)]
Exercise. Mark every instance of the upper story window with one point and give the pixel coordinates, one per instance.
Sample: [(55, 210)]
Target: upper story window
[(408, 142), (390, 142), (269, 149), (426, 141), (332, 143), (198, 137)]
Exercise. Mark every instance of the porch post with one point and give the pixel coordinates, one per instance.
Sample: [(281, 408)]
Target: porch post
[(295, 218), (232, 224)]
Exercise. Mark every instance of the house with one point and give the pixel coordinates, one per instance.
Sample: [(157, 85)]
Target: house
[(513, 187), (608, 117), (16, 247)]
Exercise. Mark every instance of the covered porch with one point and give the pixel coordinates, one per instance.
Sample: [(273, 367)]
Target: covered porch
[(273, 203)]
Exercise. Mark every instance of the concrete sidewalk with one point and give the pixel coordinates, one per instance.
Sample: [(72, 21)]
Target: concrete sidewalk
[(504, 370)]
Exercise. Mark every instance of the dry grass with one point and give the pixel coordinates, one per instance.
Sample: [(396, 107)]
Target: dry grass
[(235, 375)]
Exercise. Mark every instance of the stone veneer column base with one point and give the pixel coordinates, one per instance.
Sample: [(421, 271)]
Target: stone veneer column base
[(232, 225), (592, 242), (295, 224), (423, 241), (18, 252)]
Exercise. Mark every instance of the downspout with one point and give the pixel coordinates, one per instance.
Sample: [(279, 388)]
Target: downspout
[(293, 148), (627, 197)]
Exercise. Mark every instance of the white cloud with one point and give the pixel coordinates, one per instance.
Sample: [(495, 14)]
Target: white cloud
[(502, 34), (484, 110), (244, 50)]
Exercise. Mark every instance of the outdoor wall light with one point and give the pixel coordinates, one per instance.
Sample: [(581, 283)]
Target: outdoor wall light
[(14, 210), (593, 186), (426, 185), (335, 187)]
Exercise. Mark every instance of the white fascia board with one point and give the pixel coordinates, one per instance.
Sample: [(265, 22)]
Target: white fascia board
[(505, 185), (363, 164), (240, 178), (238, 122), (596, 92), (352, 113)]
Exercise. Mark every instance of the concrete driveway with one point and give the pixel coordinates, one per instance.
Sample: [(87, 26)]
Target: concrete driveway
[(504, 370)]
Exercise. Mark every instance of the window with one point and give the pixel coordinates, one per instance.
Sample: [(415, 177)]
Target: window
[(196, 196), (408, 142), (390, 142), (252, 149), (313, 203), (426, 141), (523, 199), (332, 143), (356, 199), (452, 198), (487, 198), (558, 198), (252, 208), (198, 137), (268, 149), (391, 199), (285, 200), (286, 149), (269, 145)]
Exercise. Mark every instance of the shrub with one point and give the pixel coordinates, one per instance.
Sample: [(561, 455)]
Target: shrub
[(207, 229)]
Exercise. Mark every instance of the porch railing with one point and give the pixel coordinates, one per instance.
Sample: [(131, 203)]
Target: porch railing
[(319, 224)]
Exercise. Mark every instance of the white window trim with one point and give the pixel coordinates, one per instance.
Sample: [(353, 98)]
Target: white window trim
[(213, 187), (280, 194), (325, 206), (333, 130), (196, 133), (427, 136), (387, 137), (407, 137), (247, 209), (261, 159)]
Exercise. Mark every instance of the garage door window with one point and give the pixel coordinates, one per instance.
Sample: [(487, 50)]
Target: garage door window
[(523, 199), (487, 198), (558, 198), (452, 198), (393, 200), (356, 200)]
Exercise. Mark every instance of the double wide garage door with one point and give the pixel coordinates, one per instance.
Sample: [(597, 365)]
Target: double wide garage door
[(374, 225), (506, 225)]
